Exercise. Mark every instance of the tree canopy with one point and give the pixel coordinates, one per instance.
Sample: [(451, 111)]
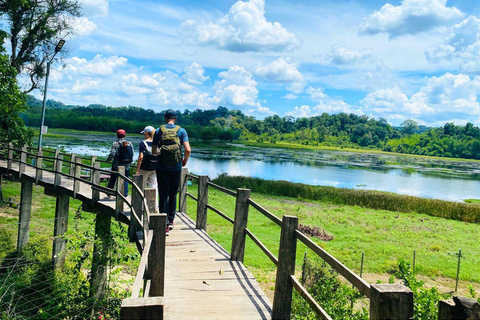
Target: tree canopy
[(34, 28)]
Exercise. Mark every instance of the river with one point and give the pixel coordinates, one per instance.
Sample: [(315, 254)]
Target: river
[(418, 176)]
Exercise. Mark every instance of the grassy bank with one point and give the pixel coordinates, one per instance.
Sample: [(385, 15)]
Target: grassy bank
[(363, 198), (384, 236)]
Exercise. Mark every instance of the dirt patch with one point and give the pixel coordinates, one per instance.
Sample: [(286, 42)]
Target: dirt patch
[(314, 232)]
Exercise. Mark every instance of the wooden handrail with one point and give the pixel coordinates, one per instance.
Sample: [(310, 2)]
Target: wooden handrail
[(309, 299), (359, 283), (220, 213), (265, 212), (269, 254), (222, 189)]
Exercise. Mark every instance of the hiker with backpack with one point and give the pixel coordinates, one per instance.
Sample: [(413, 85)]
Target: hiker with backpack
[(147, 161), (168, 141), (121, 155)]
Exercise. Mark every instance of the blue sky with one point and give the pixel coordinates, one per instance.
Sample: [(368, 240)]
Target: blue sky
[(411, 59)]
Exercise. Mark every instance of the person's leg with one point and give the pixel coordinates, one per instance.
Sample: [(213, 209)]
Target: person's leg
[(163, 187), (113, 177), (151, 178), (172, 194), (125, 184)]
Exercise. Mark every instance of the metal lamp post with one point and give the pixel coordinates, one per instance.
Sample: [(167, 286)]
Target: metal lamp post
[(57, 50)]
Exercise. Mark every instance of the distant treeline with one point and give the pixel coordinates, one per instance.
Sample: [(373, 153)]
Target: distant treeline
[(338, 130)]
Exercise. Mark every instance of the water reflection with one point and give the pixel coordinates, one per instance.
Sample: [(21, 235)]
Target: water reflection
[(424, 177)]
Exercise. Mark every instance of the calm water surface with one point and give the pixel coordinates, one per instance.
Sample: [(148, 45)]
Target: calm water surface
[(423, 177)]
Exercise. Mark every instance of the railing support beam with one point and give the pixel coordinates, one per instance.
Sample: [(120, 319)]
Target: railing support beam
[(240, 224), (156, 256), (100, 255), (391, 301), (137, 204), (282, 300), (61, 225), (202, 203), (182, 197), (24, 214)]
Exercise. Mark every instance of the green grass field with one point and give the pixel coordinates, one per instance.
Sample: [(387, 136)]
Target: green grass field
[(384, 237)]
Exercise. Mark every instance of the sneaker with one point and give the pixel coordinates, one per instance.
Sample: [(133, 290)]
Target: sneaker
[(167, 231), (171, 225)]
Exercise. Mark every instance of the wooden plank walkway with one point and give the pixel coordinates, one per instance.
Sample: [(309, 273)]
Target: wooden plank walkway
[(201, 280), (203, 283)]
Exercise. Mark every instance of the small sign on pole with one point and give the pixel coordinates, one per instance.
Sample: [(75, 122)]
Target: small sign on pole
[(44, 129)]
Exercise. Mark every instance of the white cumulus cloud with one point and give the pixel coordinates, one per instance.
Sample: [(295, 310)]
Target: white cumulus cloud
[(94, 7), (195, 74), (410, 17), (461, 47), (244, 28), (237, 88), (99, 65), (343, 55)]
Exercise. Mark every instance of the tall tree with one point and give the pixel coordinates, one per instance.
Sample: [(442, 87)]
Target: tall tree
[(34, 28), (12, 101)]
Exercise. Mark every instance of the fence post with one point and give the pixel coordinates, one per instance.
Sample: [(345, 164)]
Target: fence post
[(391, 301), (55, 156), (119, 189), (39, 166), (10, 156), (24, 214), (58, 170), (101, 246), (240, 224), (95, 181), (61, 225), (137, 205), (202, 202), (71, 172), (156, 255), (151, 196), (94, 159), (23, 160), (76, 177), (282, 299), (182, 197)]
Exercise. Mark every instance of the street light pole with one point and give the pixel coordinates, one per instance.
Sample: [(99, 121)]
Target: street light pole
[(44, 105), (49, 62)]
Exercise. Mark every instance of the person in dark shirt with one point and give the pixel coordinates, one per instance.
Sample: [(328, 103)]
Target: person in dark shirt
[(169, 140), (120, 158)]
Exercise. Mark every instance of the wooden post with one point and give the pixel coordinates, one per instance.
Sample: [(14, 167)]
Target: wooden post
[(10, 156), (71, 172), (39, 166), (240, 224), (95, 181), (460, 308), (93, 160), (137, 204), (58, 170), (100, 255), (61, 225), (182, 197), (23, 160), (156, 255), (282, 299), (55, 156), (142, 308), (151, 196), (76, 176), (24, 214), (119, 189), (390, 301), (202, 202)]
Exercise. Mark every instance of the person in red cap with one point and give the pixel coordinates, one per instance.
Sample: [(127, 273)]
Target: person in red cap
[(121, 154)]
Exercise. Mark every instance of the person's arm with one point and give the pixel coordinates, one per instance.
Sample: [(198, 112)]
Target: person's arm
[(188, 151), (139, 161), (113, 151)]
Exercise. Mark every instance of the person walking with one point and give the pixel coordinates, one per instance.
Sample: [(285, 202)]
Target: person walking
[(147, 162), (121, 155), (168, 140)]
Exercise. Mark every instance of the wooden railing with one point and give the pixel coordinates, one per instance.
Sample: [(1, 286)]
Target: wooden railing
[(398, 298), (146, 227)]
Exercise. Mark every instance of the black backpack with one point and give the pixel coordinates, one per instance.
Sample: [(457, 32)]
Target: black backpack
[(149, 161), (125, 153)]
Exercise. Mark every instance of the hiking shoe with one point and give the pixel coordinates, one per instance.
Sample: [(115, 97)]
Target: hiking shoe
[(171, 225), (167, 231)]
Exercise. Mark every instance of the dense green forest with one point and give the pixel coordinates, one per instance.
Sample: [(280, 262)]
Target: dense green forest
[(338, 130)]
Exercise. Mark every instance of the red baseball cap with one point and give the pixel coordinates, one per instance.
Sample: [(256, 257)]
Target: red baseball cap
[(121, 133)]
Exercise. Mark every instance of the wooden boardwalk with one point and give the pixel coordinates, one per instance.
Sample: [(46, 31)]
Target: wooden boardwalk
[(201, 280)]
